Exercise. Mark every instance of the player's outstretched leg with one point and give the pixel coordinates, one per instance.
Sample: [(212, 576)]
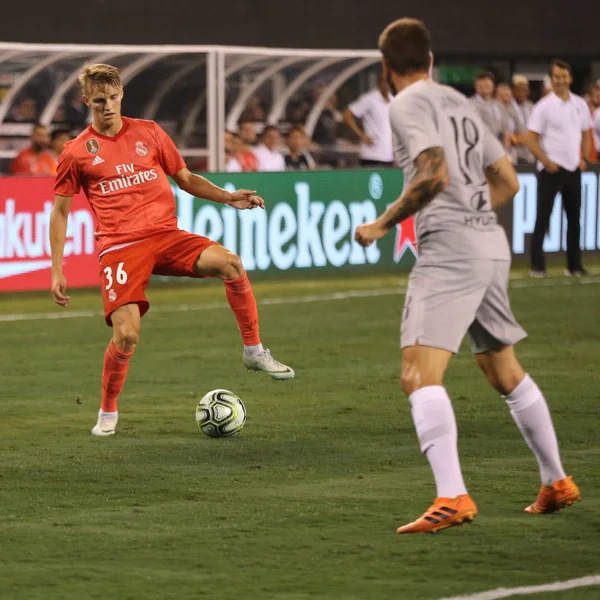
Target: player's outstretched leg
[(219, 262), (530, 412), (126, 327), (422, 374)]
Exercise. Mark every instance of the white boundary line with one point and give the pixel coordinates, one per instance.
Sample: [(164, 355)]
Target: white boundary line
[(557, 586), (517, 283)]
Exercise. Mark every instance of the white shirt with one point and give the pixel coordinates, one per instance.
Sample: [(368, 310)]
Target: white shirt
[(233, 165), (596, 130), (375, 114), (559, 124), (269, 160)]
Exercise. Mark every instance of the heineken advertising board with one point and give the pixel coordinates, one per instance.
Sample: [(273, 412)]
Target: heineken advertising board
[(308, 222)]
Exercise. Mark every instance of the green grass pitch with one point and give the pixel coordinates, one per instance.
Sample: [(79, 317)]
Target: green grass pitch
[(304, 502)]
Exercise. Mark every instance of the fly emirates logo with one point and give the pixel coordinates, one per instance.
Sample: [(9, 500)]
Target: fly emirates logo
[(126, 178)]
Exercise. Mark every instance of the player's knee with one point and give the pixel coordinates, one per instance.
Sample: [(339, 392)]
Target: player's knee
[(126, 338), (409, 378), (232, 267)]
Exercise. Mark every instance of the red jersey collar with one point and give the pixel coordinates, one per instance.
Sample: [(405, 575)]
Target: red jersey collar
[(112, 138)]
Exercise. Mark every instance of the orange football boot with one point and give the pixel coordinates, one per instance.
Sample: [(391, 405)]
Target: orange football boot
[(559, 495), (444, 513)]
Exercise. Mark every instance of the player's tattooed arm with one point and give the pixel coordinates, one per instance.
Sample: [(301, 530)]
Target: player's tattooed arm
[(430, 179)]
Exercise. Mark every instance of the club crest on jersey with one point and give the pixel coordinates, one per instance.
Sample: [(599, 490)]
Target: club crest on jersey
[(92, 146), (112, 295), (140, 149)]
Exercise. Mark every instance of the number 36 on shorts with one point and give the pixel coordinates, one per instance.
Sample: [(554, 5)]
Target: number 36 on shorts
[(120, 276)]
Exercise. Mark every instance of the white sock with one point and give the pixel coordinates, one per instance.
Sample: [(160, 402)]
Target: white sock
[(436, 428), (253, 350), (112, 414), (531, 414)]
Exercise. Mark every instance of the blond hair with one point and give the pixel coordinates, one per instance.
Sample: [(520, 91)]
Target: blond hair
[(100, 77)]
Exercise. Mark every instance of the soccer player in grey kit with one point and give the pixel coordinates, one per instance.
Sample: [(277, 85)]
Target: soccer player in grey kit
[(457, 175)]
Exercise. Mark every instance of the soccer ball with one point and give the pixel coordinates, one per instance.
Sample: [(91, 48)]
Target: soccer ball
[(220, 413)]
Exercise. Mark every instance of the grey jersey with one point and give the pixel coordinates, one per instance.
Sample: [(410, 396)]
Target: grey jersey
[(459, 222)]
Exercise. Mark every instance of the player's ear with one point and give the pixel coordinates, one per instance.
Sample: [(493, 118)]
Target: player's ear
[(87, 101)]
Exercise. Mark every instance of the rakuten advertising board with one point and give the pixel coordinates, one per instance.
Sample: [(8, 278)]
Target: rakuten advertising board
[(307, 226), (25, 206)]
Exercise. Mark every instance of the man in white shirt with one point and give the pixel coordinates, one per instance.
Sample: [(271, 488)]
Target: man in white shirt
[(559, 135), (267, 152), (373, 108)]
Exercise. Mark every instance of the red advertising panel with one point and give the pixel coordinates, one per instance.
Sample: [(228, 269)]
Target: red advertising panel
[(25, 206)]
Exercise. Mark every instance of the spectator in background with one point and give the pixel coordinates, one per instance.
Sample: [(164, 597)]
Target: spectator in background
[(58, 138), (596, 132), (253, 111), (325, 133), (244, 154), (297, 112), (373, 108), (247, 132), (267, 152), (489, 109), (546, 86), (297, 158), (594, 104), (35, 159), (504, 95), (559, 135), (76, 113), (26, 111), (232, 164), (518, 118)]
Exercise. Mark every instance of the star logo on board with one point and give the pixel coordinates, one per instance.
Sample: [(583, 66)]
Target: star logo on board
[(406, 239)]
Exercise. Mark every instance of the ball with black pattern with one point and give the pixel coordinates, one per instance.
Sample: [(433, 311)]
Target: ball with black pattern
[(220, 413)]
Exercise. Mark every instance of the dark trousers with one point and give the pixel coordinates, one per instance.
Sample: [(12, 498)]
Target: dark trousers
[(549, 184), (377, 164)]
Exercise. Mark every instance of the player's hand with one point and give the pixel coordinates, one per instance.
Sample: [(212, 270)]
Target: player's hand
[(583, 164), (59, 290), (368, 141), (552, 167), (246, 199), (368, 233)]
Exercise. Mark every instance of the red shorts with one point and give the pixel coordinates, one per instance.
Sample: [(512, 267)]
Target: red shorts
[(126, 271)]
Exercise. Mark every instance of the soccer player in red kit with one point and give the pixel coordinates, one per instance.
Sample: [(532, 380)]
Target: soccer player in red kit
[(122, 166)]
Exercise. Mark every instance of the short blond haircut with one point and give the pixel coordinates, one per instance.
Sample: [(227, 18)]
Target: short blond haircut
[(99, 77)]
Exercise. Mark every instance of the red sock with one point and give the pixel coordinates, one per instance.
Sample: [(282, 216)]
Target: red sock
[(114, 373), (243, 304)]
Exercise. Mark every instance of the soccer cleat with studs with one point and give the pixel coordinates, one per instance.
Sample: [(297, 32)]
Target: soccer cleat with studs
[(265, 362), (443, 514), (106, 424), (555, 497)]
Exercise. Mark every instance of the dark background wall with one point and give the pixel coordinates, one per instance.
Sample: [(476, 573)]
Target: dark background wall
[(536, 28)]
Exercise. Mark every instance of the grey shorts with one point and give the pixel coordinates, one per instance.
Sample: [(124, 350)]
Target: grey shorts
[(448, 300)]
